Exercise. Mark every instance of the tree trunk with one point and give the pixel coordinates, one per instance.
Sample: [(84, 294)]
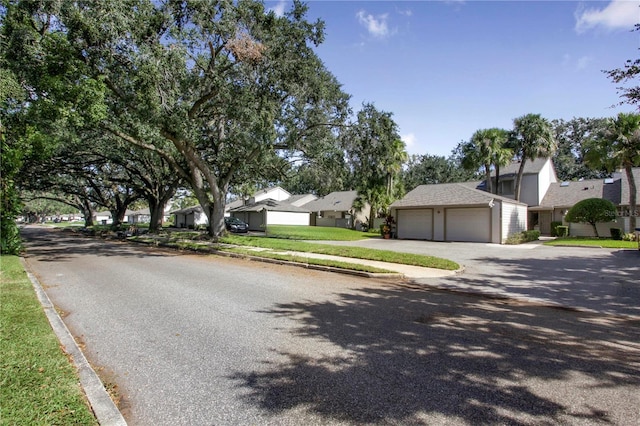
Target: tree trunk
[(497, 165), (633, 202), (156, 209), (519, 178), (87, 211), (216, 218), (595, 229), (487, 173)]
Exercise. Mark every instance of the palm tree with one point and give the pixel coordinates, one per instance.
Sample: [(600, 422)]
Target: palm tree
[(486, 149), (619, 147), (532, 137)]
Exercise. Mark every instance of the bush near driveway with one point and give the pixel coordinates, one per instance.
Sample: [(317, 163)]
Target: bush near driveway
[(38, 385)]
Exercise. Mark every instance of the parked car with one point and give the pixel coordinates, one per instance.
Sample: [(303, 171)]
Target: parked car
[(233, 224)]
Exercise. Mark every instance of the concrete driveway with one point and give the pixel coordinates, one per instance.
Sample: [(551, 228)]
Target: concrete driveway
[(592, 279)]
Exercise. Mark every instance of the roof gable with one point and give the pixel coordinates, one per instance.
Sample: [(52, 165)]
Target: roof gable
[(530, 167)]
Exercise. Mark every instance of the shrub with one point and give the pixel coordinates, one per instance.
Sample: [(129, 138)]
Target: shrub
[(629, 236), (554, 230), (522, 237), (616, 234), (562, 231)]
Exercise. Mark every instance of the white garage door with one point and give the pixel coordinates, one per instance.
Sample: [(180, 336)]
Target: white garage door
[(415, 224), (469, 224)]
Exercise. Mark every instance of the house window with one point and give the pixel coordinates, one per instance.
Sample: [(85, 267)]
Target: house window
[(506, 187)]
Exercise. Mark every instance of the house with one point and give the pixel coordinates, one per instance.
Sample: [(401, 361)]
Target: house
[(336, 210), (543, 200), (189, 217), (103, 217), (258, 215), (137, 216), (273, 206), (457, 212)]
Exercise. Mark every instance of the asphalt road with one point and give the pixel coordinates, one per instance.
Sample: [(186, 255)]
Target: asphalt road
[(204, 340), (605, 281)]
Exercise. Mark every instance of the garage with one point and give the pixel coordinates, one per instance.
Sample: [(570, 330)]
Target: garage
[(468, 224), (415, 224)]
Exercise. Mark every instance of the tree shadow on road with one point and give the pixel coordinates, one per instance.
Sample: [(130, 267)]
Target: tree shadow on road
[(409, 356), (608, 284), (56, 245)]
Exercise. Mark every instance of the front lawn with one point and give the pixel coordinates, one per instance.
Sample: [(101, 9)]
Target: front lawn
[(38, 385), (592, 242), (317, 233)]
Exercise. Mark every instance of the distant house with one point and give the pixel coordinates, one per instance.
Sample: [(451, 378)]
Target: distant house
[(269, 206), (137, 216), (103, 218), (337, 210), (258, 215), (457, 212), (190, 217)]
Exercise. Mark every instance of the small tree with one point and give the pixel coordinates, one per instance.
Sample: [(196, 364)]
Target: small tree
[(592, 211)]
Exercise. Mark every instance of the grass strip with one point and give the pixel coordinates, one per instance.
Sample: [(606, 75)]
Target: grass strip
[(307, 260), (317, 233), (38, 383), (343, 251), (592, 242)]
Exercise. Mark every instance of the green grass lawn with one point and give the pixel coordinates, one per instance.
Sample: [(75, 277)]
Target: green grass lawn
[(592, 242), (38, 385), (317, 233), (353, 252)]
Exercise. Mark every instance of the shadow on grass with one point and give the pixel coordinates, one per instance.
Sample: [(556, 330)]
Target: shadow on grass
[(408, 356)]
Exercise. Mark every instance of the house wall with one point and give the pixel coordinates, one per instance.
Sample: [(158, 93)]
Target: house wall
[(496, 222), (586, 230), (287, 218), (529, 190), (546, 176), (514, 220)]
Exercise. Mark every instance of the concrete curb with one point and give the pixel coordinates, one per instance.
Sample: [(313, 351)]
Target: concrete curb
[(101, 403)]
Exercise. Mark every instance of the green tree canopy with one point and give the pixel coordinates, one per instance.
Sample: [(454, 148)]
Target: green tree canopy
[(228, 86), (618, 147), (375, 153), (532, 137)]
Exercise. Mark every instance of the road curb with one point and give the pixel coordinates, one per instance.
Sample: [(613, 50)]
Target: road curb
[(101, 403)]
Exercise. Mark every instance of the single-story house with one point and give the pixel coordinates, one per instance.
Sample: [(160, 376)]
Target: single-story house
[(103, 218), (137, 216), (260, 214), (457, 212), (190, 217), (336, 210)]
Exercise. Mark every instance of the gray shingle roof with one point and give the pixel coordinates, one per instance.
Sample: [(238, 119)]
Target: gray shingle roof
[(448, 194), (566, 194), (530, 167), (341, 201), (270, 205)]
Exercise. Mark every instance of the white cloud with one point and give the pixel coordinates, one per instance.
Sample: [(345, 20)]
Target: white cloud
[(619, 14), (409, 139), (376, 25), (279, 8), (583, 62)]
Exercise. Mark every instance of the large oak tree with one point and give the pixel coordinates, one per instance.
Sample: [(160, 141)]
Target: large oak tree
[(226, 85)]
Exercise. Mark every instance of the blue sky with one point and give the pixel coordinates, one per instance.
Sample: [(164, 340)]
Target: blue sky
[(448, 68)]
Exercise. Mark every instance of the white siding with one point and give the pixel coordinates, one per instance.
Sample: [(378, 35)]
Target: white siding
[(415, 224), (514, 219), (277, 194), (468, 224), (287, 218)]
